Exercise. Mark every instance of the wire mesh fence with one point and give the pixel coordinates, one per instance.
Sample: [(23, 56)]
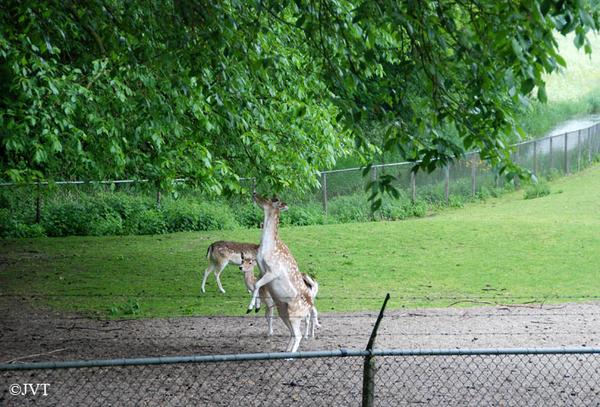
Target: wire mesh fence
[(451, 377), (467, 177)]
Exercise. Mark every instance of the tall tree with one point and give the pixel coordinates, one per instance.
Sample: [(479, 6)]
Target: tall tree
[(218, 90)]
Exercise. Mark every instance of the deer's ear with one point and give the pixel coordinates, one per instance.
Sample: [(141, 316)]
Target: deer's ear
[(275, 198), (242, 253)]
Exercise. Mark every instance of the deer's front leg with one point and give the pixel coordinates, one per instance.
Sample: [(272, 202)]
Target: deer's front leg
[(264, 280)]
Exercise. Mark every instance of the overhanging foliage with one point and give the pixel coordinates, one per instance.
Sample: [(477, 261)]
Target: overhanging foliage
[(218, 90)]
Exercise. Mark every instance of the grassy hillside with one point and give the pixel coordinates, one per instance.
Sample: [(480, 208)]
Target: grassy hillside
[(581, 75), (507, 250)]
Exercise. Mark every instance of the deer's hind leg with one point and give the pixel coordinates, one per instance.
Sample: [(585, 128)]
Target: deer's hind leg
[(217, 276), (296, 333), (206, 273)]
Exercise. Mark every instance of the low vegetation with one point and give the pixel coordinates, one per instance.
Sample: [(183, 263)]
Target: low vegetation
[(506, 250)]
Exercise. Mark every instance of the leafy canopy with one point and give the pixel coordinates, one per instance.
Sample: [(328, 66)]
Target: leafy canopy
[(215, 91)]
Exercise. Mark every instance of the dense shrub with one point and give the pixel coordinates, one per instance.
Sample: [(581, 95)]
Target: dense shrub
[(247, 215), (12, 225), (216, 216), (537, 190), (66, 218), (349, 208), (304, 215), (108, 225)]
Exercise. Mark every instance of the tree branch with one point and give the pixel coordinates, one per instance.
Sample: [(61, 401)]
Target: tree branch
[(87, 27)]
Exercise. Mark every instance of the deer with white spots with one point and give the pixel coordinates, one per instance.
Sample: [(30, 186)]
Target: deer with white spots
[(247, 267), (222, 253), (280, 274)]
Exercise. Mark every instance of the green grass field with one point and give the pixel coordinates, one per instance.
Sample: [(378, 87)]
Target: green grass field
[(506, 250)]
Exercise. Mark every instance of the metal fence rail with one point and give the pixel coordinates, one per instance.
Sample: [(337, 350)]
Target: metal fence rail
[(444, 377)]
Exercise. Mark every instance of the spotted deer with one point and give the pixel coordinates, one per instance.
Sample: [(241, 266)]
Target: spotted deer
[(222, 253), (280, 273), (247, 267)]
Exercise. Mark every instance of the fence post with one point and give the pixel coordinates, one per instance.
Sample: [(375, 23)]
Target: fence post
[(412, 186), (158, 197), (517, 163), (589, 138), (551, 138), (368, 396), (596, 138), (447, 186), (324, 191), (473, 175), (579, 150), (373, 178), (535, 158), (566, 153), (38, 211)]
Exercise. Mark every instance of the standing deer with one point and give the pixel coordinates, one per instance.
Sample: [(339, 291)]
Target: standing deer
[(247, 267), (280, 273), (222, 253)]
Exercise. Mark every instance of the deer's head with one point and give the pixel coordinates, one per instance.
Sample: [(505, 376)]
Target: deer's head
[(248, 264), (270, 205)]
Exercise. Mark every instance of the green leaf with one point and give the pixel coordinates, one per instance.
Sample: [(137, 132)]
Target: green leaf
[(542, 97), (527, 86), (375, 205)]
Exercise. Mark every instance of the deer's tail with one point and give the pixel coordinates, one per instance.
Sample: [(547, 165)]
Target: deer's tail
[(209, 252), (312, 285)]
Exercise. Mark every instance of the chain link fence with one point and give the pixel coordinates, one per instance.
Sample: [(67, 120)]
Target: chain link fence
[(452, 377), (468, 177)]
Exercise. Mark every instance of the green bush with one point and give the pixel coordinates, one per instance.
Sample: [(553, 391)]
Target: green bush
[(146, 222), (13, 226), (418, 209), (216, 216), (349, 208), (304, 215), (393, 211), (553, 174), (182, 216), (66, 218), (538, 190), (108, 225), (483, 194), (247, 215), (456, 201)]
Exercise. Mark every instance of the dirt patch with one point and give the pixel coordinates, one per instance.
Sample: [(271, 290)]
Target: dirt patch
[(563, 380), (34, 336)]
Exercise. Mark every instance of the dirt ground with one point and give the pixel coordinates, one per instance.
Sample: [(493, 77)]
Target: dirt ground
[(34, 336), (568, 380)]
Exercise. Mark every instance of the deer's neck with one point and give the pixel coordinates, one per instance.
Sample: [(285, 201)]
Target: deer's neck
[(249, 279), (270, 233)]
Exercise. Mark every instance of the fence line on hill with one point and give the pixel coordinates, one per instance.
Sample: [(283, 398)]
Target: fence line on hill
[(552, 156)]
